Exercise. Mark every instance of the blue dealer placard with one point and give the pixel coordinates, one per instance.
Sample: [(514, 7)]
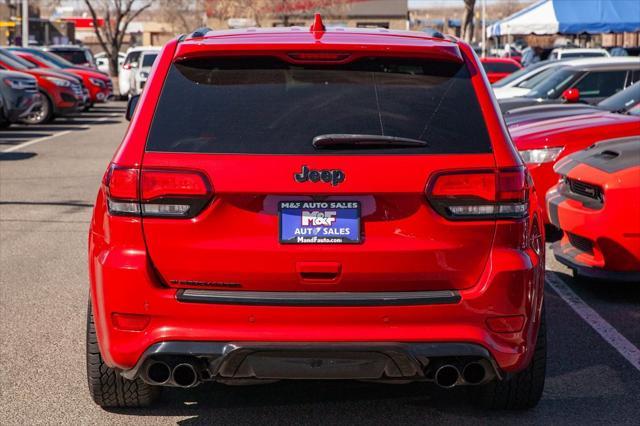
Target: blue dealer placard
[(319, 222)]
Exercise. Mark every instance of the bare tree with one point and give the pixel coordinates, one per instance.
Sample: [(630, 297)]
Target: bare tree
[(186, 15), (467, 20), (183, 15), (117, 15)]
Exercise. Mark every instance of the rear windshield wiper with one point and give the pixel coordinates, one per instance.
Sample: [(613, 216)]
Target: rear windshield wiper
[(349, 141)]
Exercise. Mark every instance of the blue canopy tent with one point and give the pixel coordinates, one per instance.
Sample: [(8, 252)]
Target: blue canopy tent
[(548, 17)]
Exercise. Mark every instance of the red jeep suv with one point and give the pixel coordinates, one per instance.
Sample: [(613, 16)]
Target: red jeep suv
[(297, 203)]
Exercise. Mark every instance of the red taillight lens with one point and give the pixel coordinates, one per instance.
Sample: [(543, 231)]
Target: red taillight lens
[(162, 193), (156, 184), (123, 183), (480, 194), (466, 185), (512, 185)]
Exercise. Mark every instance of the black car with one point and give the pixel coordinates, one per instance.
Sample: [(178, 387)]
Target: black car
[(578, 83), (621, 102)]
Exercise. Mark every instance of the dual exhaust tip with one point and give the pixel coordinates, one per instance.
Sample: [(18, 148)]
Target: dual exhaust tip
[(183, 375), (447, 376)]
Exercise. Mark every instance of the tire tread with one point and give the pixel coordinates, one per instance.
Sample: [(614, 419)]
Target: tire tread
[(106, 386)]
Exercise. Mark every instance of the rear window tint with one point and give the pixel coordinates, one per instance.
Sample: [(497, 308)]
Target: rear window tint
[(73, 56), (263, 105)]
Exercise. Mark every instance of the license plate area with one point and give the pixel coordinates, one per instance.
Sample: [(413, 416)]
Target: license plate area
[(319, 222)]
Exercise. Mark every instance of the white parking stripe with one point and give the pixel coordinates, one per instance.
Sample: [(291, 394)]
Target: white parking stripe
[(55, 135), (591, 317), (26, 144)]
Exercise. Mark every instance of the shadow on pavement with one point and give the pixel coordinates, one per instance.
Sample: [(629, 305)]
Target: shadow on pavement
[(18, 133), (16, 156), (620, 293), (70, 203), (89, 121)]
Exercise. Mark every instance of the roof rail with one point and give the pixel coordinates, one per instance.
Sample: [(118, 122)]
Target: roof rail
[(200, 32), (433, 33)]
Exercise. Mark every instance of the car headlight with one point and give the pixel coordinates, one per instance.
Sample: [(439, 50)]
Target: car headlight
[(144, 75), (59, 81), (539, 156), (97, 82), (18, 83)]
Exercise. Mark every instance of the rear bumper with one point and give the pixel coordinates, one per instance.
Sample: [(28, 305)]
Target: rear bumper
[(388, 361), (509, 295)]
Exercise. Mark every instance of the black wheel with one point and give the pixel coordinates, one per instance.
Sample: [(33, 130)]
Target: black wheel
[(42, 114), (106, 386), (524, 389)]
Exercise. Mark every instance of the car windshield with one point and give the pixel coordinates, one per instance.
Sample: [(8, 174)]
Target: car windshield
[(554, 84), (535, 79), (622, 101), (263, 105), (15, 62), (148, 59), (58, 60), (47, 62), (533, 69)]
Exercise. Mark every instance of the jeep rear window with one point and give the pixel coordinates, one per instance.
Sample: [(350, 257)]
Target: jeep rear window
[(263, 105)]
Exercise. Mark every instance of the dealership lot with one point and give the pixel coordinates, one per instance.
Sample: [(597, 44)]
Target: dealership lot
[(48, 180)]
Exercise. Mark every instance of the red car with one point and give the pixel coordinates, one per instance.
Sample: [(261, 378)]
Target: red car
[(499, 68), (597, 205), (62, 94), (99, 85), (303, 204), (543, 143)]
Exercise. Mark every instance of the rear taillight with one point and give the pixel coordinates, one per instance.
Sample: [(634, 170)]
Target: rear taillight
[(156, 192), (486, 194)]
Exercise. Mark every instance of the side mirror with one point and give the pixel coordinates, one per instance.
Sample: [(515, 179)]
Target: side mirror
[(571, 96), (131, 106)]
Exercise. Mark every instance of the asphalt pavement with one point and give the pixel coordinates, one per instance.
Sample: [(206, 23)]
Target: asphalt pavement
[(49, 177)]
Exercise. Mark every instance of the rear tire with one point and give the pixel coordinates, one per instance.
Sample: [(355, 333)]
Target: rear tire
[(524, 389), (106, 386)]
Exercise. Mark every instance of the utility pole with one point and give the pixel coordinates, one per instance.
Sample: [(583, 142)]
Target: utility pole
[(25, 23), (484, 29)]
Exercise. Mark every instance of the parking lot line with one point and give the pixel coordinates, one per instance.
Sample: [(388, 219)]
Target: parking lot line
[(55, 135), (25, 144), (591, 317)]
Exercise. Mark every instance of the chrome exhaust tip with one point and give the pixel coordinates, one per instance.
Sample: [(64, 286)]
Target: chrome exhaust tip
[(184, 375), (157, 373), (447, 376), (474, 373)]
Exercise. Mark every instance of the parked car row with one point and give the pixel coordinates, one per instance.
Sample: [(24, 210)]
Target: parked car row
[(583, 154), (40, 85)]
